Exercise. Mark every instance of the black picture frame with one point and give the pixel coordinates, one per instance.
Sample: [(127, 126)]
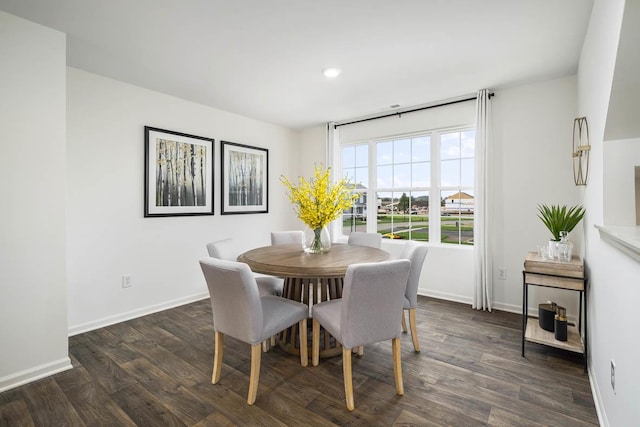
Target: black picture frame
[(245, 179), (178, 173)]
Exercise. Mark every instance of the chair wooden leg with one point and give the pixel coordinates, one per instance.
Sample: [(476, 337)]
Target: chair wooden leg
[(274, 340), (397, 366), (348, 381), (404, 323), (265, 345), (256, 354), (315, 343), (360, 351), (304, 345), (414, 329), (218, 346)]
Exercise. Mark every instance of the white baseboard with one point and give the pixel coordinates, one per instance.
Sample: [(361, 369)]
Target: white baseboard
[(445, 296), (35, 373), (465, 299), (511, 308), (110, 320)]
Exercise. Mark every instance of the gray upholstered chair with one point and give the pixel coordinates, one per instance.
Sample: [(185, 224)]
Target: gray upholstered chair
[(240, 312), (225, 249), (373, 240), (416, 253), (287, 237), (367, 313), (267, 285)]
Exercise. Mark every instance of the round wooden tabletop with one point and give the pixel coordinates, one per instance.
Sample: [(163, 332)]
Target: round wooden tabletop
[(292, 261)]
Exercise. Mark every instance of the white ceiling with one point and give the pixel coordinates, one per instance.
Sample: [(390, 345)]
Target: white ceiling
[(263, 59)]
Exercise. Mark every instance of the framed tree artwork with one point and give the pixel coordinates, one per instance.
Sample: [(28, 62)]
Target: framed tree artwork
[(245, 173), (178, 177)]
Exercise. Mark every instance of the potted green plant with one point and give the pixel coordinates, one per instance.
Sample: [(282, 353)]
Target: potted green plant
[(560, 218)]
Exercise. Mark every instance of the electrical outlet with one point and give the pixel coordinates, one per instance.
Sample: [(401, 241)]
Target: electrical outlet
[(502, 273), (127, 280), (613, 375)]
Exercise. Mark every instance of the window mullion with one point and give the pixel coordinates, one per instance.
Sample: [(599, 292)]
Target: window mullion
[(372, 200), (434, 194)]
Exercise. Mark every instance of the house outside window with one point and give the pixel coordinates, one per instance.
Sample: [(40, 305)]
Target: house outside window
[(355, 219)]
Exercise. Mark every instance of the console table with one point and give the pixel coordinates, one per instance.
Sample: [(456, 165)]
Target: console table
[(559, 275)]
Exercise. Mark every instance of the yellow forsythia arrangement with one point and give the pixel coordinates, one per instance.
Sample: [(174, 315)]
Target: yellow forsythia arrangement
[(317, 202)]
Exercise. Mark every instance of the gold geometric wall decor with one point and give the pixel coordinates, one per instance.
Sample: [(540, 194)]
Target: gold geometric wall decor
[(581, 149)]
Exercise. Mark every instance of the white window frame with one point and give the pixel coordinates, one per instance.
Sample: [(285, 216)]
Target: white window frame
[(435, 189)]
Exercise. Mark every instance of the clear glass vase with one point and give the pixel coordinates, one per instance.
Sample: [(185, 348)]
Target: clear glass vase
[(564, 247), (317, 241)]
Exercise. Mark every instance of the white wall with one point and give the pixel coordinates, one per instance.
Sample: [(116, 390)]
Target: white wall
[(107, 234), (312, 149), (454, 115), (532, 161), (33, 323), (447, 272), (614, 292)]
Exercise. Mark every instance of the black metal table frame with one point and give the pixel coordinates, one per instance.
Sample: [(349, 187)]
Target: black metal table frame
[(525, 309)]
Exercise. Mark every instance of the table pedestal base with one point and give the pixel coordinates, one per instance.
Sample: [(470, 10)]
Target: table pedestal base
[(309, 292)]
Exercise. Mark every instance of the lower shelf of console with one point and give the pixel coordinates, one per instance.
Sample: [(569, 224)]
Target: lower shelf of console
[(534, 333)]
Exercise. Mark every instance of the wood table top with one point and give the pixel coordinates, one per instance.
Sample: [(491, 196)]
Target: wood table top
[(293, 261)]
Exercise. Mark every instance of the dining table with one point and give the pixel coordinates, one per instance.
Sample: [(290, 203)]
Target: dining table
[(310, 279)]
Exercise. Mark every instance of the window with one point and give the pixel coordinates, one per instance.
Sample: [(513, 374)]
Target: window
[(414, 187), (456, 186), (355, 166)]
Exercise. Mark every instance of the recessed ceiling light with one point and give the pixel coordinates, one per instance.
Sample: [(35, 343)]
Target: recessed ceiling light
[(331, 72)]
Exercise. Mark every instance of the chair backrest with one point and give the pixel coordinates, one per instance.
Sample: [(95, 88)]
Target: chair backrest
[(223, 249), (416, 253), (287, 237), (372, 299), (373, 240), (235, 302)]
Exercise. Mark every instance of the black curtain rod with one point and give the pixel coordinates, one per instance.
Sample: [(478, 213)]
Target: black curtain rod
[(399, 113)]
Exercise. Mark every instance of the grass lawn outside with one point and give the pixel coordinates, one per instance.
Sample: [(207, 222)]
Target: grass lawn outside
[(416, 227)]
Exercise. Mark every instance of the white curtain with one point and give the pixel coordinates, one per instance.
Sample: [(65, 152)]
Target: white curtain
[(333, 144), (483, 265)]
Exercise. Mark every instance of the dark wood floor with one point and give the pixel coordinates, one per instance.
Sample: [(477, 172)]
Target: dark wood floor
[(156, 371)]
